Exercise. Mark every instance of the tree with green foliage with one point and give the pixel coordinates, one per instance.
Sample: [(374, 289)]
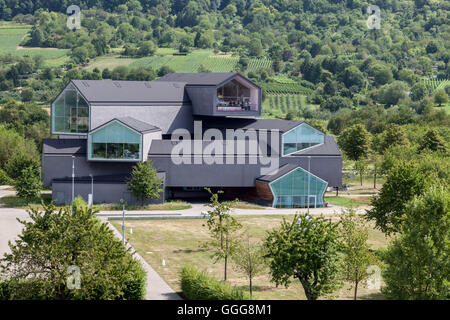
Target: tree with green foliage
[(354, 141), (144, 182), (418, 260), (306, 249), (53, 244), (28, 185), (146, 48), (354, 235), (403, 182), (249, 260), (393, 135), (223, 228), (432, 141), (382, 74), (337, 102), (391, 93), (440, 97)]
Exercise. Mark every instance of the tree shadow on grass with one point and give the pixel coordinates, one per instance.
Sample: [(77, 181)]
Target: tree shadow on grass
[(189, 250)]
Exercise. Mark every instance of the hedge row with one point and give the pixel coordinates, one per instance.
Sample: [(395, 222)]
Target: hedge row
[(197, 285)]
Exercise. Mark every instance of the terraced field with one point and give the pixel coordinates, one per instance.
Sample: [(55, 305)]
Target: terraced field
[(220, 64), (283, 103), (434, 85), (259, 63)]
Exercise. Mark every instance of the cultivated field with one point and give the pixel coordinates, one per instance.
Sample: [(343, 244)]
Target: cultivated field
[(12, 34)]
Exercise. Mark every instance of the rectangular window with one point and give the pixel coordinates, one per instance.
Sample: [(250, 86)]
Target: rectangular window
[(115, 151)]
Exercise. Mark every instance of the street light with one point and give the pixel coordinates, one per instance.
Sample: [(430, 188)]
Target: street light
[(73, 180), (309, 178), (92, 189), (123, 221)]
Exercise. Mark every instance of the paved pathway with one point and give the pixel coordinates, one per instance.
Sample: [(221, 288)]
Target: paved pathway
[(10, 228), (200, 210)]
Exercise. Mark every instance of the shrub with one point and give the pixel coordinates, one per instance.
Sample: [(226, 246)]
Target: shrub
[(197, 285), (4, 179), (61, 239)]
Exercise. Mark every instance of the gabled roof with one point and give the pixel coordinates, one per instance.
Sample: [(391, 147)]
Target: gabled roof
[(100, 92), (201, 79), (137, 125)]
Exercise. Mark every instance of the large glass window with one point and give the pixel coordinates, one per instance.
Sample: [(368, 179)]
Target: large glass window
[(233, 96), (115, 141), (291, 190), (302, 137), (70, 113)]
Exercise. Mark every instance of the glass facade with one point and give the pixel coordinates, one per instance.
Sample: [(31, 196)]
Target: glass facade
[(291, 190), (70, 113), (115, 141), (302, 137)]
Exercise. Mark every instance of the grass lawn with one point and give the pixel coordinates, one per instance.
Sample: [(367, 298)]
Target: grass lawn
[(16, 202), (348, 201), (179, 242), (246, 205), (109, 61), (169, 205)]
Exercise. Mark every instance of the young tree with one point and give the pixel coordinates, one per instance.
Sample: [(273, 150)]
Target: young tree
[(357, 257), (222, 228), (53, 244), (306, 249), (417, 261), (28, 184), (249, 260), (404, 181), (354, 141), (361, 167), (144, 182)]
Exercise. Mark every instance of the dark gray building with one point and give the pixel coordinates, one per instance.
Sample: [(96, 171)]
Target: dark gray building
[(199, 130)]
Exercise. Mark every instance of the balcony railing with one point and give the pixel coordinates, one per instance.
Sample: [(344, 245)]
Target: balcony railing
[(235, 105)]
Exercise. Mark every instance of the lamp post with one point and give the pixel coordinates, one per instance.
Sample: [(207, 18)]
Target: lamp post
[(92, 189), (123, 221), (73, 180), (309, 178)]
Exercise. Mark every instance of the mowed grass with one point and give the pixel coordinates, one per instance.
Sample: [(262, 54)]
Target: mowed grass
[(180, 242), (348, 201), (169, 205), (14, 201), (110, 62), (11, 35)]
